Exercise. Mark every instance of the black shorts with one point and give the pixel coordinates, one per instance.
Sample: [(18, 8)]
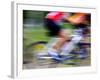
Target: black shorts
[(52, 28)]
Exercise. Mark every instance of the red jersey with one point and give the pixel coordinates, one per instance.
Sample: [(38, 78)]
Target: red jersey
[(55, 16)]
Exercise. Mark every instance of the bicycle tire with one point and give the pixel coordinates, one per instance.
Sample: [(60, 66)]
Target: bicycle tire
[(34, 49)]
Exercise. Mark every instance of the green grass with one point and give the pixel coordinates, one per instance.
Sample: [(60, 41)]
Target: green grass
[(32, 35)]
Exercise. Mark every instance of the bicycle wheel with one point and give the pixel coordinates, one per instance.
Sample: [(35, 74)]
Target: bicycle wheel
[(39, 56)]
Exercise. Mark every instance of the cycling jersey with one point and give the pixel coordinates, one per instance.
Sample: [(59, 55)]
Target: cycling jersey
[(55, 16)]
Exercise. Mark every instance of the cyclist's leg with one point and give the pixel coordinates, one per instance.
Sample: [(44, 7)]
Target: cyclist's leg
[(55, 30), (68, 47), (63, 38)]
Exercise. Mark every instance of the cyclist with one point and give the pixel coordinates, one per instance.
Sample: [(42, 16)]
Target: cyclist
[(53, 25), (53, 22)]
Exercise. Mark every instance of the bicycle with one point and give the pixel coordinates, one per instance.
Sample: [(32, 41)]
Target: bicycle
[(41, 57)]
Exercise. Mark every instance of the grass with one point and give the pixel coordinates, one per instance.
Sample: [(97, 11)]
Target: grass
[(32, 35)]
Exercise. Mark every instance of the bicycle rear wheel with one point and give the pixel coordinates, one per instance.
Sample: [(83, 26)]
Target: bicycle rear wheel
[(39, 56)]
